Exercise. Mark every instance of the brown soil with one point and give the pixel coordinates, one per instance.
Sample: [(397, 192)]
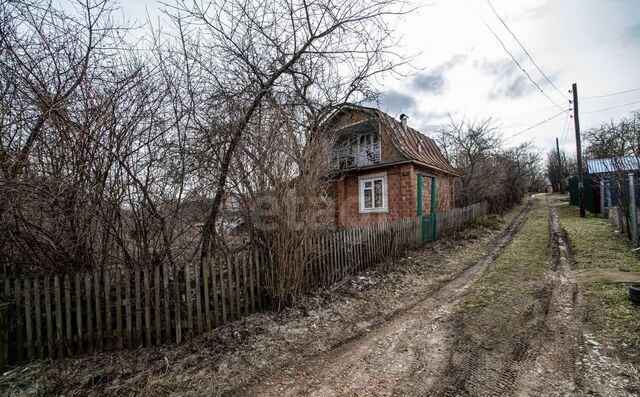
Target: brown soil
[(260, 346), (404, 356), (394, 330)]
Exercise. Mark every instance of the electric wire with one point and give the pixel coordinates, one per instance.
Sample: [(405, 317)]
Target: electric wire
[(525, 51), (565, 133), (520, 66), (535, 125), (611, 107), (611, 94)]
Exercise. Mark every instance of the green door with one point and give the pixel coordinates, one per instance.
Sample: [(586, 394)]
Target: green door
[(428, 221)]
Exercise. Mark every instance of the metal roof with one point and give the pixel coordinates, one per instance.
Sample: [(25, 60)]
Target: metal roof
[(613, 164), (427, 152)]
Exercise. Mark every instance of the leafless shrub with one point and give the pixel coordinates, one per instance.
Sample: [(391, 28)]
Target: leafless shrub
[(488, 172), (113, 155)]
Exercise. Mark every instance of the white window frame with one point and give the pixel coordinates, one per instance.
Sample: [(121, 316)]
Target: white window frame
[(372, 178)]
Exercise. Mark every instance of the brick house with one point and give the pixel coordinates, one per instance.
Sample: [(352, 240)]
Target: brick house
[(376, 163)]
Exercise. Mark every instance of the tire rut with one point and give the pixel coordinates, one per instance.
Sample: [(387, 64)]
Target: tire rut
[(403, 356), (540, 358)]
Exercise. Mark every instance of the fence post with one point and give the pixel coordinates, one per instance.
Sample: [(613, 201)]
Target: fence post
[(609, 200), (602, 210), (633, 210)]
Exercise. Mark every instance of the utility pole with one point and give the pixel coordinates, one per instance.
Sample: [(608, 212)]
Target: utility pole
[(576, 123), (560, 166)]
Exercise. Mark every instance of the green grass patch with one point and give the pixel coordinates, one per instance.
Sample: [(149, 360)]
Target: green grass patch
[(499, 301), (596, 245)]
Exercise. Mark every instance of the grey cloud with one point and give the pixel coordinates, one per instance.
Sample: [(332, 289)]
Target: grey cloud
[(431, 83), (454, 61), (633, 32), (509, 80), (397, 102), (518, 87), (434, 81)]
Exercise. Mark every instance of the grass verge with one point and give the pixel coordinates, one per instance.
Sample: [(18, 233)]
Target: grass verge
[(595, 245), (509, 289)]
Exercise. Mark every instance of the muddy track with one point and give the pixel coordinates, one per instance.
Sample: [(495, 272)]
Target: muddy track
[(539, 359), (406, 355)]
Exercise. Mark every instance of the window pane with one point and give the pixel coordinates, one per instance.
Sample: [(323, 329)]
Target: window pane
[(367, 185), (367, 198), (378, 193)]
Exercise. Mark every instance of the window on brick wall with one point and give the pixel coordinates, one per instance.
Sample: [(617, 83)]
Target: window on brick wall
[(373, 193)]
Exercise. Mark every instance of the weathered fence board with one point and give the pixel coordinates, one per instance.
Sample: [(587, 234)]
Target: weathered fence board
[(62, 314)]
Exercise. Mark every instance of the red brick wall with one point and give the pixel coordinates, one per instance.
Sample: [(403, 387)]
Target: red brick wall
[(402, 190)]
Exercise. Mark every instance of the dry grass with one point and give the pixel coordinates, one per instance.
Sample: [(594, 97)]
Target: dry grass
[(515, 275), (595, 245)]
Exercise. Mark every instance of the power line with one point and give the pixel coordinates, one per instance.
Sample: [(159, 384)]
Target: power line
[(520, 66), (527, 114), (608, 95), (525, 50), (536, 125), (565, 132), (612, 107)]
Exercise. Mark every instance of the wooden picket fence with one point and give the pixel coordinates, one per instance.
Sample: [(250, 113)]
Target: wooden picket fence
[(67, 314), (459, 218), (58, 315)]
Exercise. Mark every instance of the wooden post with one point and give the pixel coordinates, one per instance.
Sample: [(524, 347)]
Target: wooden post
[(19, 320), (67, 312), (223, 295), (167, 309), (4, 335), (96, 289), (178, 321), (127, 308), (260, 260), (633, 210), (88, 294), (158, 318), (214, 292), (237, 289), (252, 280), (187, 283), (197, 271), (138, 325), (107, 307), (147, 307), (38, 309), (28, 318), (245, 283), (119, 339), (609, 200), (58, 301), (602, 202), (232, 311), (205, 290)]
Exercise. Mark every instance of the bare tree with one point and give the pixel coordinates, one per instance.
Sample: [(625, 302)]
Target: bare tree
[(488, 172), (308, 57)]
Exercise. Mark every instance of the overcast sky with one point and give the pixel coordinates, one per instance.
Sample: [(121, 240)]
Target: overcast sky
[(462, 69)]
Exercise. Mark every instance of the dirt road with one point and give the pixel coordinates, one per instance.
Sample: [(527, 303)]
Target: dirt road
[(430, 350), (405, 356), (490, 312)]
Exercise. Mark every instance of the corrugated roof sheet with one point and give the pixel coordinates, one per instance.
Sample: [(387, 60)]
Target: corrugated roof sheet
[(613, 164), (407, 142)]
